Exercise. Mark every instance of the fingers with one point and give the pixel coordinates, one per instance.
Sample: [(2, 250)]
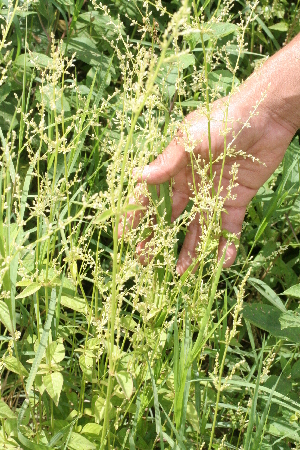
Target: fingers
[(179, 203), (133, 218), (178, 153), (167, 165), (231, 222), (145, 251), (188, 251)]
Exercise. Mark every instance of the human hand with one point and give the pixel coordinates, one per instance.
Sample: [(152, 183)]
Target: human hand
[(267, 139)]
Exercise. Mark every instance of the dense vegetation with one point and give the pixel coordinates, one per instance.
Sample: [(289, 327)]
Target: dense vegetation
[(97, 350)]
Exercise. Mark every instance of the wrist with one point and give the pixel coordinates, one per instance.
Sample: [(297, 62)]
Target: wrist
[(276, 87)]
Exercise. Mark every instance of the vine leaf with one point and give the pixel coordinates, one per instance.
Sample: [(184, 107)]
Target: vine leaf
[(53, 383)]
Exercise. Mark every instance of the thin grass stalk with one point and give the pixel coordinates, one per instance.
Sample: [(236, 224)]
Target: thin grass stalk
[(111, 327), (198, 344), (252, 413), (35, 366)]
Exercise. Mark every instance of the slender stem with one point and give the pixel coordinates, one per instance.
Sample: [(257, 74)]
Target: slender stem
[(111, 323), (218, 398)]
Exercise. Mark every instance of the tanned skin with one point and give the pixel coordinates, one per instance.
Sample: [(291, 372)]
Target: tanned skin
[(267, 138)]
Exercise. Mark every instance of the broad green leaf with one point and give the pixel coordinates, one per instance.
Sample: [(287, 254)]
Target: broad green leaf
[(125, 381), (171, 71), (33, 60), (103, 216), (74, 303), (4, 91), (56, 351), (267, 292), (128, 323), (79, 442), (8, 114), (281, 26), (93, 344), (192, 416), (86, 364), (215, 30), (295, 373), (91, 428), (267, 317), (99, 408), (6, 412), (130, 208), (190, 103), (183, 60), (29, 290), (12, 364), (290, 320), (87, 51), (24, 283), (105, 25), (49, 96), (53, 383), (222, 80), (9, 444), (283, 429), (38, 382), (18, 12), (220, 29), (294, 291), (283, 385), (90, 76), (5, 316), (186, 60)]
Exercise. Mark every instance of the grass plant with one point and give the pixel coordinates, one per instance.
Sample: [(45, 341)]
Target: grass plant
[(98, 351)]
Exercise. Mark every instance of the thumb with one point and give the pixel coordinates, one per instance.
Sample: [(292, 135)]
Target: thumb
[(167, 164), (192, 132)]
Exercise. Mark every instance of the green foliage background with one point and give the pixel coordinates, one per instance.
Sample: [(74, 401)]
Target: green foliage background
[(75, 375)]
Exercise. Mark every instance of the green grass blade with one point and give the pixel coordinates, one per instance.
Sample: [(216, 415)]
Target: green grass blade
[(177, 435), (252, 414), (156, 408), (259, 431), (7, 157), (62, 432), (83, 131), (35, 366), (199, 341), (165, 207), (268, 33), (135, 421), (268, 293), (278, 199), (185, 372)]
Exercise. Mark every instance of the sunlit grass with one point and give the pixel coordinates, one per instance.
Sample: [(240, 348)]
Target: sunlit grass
[(98, 350)]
